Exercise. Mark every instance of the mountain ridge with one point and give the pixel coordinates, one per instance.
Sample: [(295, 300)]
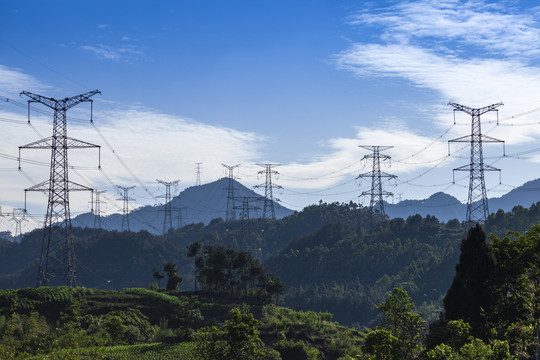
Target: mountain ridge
[(195, 204)]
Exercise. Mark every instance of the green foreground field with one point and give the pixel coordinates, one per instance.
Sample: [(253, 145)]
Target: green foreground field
[(155, 351)]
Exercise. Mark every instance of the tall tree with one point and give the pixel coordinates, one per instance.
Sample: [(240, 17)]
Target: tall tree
[(192, 251), (469, 295), (172, 272)]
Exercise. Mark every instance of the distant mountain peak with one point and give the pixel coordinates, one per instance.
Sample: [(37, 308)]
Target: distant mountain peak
[(195, 204)]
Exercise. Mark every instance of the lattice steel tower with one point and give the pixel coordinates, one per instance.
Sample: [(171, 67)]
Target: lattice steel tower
[(97, 208), (198, 174), (57, 261), (268, 207), (477, 204), (18, 216), (246, 207), (125, 208), (168, 206), (230, 213), (377, 194)]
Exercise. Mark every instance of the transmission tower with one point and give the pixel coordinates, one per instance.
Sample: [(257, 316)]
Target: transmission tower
[(477, 204), (57, 261), (246, 207), (168, 206), (18, 216), (125, 208), (97, 208), (377, 194), (230, 214), (268, 208), (179, 217), (198, 174)]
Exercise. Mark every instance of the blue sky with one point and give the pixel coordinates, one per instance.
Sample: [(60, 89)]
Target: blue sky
[(299, 83)]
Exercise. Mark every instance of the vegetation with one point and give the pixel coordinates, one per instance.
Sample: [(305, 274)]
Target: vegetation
[(226, 270), (140, 323), (330, 261)]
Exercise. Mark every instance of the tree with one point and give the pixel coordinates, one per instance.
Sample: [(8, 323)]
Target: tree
[(238, 339), (469, 295), (158, 276), (453, 333), (381, 345), (400, 332), (192, 251), (172, 272)]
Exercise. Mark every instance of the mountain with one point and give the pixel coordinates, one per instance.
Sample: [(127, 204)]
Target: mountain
[(196, 204), (446, 207), (443, 206)]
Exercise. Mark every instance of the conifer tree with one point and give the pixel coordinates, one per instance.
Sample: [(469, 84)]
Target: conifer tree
[(469, 295)]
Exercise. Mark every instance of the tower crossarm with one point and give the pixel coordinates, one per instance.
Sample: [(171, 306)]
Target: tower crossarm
[(63, 104), (170, 183), (370, 148), (470, 167), (471, 111), (466, 138)]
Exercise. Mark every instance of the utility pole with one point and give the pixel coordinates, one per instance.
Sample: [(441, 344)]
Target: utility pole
[(268, 208), (57, 261), (198, 174), (97, 209), (377, 194), (125, 208), (168, 206), (18, 216), (230, 213), (477, 204)]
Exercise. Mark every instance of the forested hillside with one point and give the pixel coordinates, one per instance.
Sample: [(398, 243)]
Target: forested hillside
[(331, 257)]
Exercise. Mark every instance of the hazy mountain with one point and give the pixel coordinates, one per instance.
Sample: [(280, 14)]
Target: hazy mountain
[(209, 201), (193, 205), (445, 207)]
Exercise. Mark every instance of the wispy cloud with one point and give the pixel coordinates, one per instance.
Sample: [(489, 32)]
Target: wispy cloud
[(124, 53), (407, 50), (343, 156), (13, 81), (489, 26)]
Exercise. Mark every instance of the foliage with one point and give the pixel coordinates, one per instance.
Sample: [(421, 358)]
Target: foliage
[(182, 351), (469, 294), (174, 280), (290, 349), (346, 271), (453, 333), (237, 339), (315, 330), (226, 270), (400, 332)]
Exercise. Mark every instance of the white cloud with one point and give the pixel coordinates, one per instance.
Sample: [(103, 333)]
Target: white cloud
[(124, 53), (343, 161), (473, 80), (475, 23), (13, 81)]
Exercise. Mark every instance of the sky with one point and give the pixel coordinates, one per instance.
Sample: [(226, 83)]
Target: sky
[(300, 83)]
